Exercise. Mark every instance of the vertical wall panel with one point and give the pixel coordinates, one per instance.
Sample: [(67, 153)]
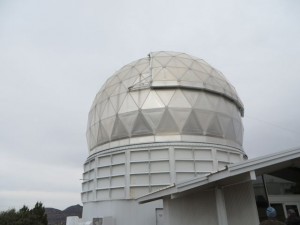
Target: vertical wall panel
[(182, 154), (118, 158), (204, 166), (199, 208), (118, 169), (159, 154), (117, 193), (141, 179), (139, 168), (161, 166), (139, 155), (118, 181), (240, 204), (202, 154), (160, 178)]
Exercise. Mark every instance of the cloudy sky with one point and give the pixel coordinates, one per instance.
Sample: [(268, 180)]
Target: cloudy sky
[(55, 55)]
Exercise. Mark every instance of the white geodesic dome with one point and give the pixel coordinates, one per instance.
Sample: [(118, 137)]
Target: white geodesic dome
[(167, 95)]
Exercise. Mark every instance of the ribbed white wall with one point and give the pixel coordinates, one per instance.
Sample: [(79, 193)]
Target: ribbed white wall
[(240, 204), (137, 170)]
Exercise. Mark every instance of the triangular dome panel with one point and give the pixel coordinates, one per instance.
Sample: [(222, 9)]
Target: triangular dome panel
[(207, 68), (102, 135), (214, 127), (108, 125), (192, 125), (94, 134), (179, 100), (186, 61), (198, 67), (123, 73), (201, 75), (162, 74), (180, 115), (130, 81), (165, 95), (222, 105), (140, 96), (202, 102), (161, 60), (177, 73), (203, 117), (227, 127), (153, 101), (117, 101), (142, 66), (112, 81), (108, 110), (128, 119), (153, 116), (190, 76), (167, 124), (128, 105), (93, 116), (119, 131), (141, 126), (109, 90), (100, 108), (191, 96), (174, 62), (120, 88), (214, 100)]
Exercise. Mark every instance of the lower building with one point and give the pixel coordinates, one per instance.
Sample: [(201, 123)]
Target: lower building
[(239, 194)]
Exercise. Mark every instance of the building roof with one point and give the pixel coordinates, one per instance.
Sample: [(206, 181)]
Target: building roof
[(231, 174)]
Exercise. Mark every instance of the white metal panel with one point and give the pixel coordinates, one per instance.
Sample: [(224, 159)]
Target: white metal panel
[(139, 155), (240, 204), (139, 168), (118, 181), (183, 153), (118, 158), (160, 166), (193, 209), (204, 166), (203, 154), (159, 154), (103, 183), (139, 179), (117, 193), (160, 178), (118, 169)]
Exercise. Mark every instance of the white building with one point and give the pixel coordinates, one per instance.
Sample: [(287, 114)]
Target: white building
[(166, 129)]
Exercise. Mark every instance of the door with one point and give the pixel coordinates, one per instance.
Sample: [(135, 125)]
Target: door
[(159, 216)]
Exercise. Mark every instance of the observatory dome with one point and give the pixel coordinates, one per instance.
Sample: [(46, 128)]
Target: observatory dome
[(166, 96), (163, 119)]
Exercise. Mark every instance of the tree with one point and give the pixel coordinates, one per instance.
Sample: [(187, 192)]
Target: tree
[(38, 214), (8, 217), (25, 216)]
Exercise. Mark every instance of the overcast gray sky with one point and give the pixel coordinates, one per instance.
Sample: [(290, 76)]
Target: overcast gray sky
[(55, 55)]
